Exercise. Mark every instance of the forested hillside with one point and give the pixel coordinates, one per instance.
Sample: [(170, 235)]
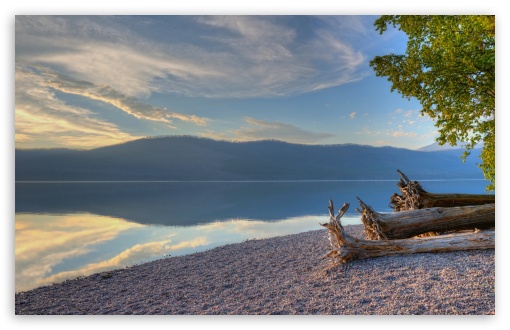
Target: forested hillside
[(191, 158)]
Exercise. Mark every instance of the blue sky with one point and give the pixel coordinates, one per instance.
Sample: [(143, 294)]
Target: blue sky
[(89, 81)]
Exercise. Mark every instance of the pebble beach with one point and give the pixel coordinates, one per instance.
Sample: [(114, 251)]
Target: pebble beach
[(280, 275)]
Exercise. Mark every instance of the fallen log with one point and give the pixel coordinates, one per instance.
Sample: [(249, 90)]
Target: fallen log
[(405, 224), (415, 197), (346, 248)]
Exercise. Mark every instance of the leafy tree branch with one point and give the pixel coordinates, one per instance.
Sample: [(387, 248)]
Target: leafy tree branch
[(449, 66)]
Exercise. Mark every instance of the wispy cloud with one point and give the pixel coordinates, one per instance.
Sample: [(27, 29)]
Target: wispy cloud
[(41, 116), (257, 38), (128, 104), (230, 56), (409, 113), (409, 118), (106, 51), (352, 115), (366, 131), (403, 134), (264, 130)]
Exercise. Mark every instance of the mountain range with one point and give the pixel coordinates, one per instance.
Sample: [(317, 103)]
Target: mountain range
[(436, 147), (186, 158)]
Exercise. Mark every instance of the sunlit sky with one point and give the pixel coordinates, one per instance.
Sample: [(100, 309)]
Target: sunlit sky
[(89, 81)]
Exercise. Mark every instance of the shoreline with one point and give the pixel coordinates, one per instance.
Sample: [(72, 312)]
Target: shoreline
[(279, 275)]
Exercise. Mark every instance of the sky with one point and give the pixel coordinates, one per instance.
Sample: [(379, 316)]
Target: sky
[(89, 81)]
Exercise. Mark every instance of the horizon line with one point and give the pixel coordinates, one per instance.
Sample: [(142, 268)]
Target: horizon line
[(230, 181)]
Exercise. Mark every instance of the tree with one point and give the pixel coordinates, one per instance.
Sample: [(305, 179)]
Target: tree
[(449, 66)]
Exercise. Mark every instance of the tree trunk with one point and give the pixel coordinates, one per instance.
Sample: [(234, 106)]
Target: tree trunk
[(415, 197), (346, 248), (405, 224)]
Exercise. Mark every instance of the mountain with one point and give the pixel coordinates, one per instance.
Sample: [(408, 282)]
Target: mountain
[(191, 158), (436, 147)]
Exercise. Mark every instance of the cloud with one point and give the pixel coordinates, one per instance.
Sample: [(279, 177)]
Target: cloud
[(261, 38), (403, 134), (105, 50), (352, 115), (212, 56), (21, 137), (366, 131), (106, 94), (42, 118), (409, 117), (382, 143), (264, 130), (409, 113)]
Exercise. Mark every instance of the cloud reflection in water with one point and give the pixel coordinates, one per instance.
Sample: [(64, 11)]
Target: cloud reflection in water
[(54, 247)]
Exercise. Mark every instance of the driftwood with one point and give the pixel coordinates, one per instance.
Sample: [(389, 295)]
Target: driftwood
[(346, 248), (415, 197), (405, 224)]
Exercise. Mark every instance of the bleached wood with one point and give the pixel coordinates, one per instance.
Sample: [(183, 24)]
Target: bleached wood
[(410, 223), (346, 248), (415, 197)]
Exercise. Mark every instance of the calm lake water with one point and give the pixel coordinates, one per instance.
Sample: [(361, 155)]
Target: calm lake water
[(66, 230)]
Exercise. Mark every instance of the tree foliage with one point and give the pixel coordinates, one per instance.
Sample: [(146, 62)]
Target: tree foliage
[(449, 66)]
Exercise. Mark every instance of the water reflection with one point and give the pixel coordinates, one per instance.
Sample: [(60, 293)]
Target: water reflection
[(68, 230), (51, 248), (189, 203)]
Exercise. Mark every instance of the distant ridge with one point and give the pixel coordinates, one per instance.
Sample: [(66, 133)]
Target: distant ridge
[(436, 147), (187, 158)]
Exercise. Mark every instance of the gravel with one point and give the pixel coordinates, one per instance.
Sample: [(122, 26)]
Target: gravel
[(280, 275)]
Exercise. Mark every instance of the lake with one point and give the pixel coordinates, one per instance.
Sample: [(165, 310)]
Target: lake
[(67, 230)]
